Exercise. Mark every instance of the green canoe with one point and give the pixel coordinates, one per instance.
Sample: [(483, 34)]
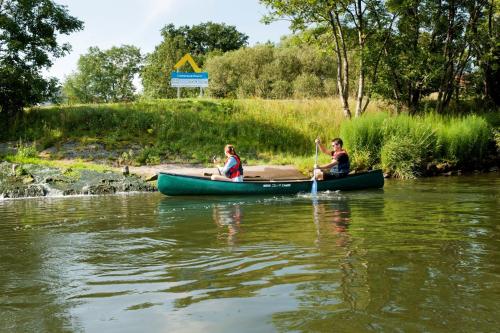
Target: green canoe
[(174, 184)]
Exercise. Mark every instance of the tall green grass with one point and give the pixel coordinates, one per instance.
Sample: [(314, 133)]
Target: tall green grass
[(463, 140), (403, 145), (264, 131), (363, 139)]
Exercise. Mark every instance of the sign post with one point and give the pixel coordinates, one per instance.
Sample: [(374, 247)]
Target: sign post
[(178, 91), (188, 79)]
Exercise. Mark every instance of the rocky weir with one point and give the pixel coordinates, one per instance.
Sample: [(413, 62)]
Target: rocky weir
[(31, 180)]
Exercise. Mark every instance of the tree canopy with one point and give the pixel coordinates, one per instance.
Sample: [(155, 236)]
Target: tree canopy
[(402, 50), (199, 40), (104, 75), (28, 43), (207, 37)]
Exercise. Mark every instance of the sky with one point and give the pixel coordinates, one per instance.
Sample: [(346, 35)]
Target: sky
[(138, 22)]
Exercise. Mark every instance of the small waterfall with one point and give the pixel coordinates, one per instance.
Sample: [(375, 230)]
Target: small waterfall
[(51, 192)]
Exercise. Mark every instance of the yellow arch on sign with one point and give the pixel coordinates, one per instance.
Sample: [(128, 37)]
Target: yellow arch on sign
[(187, 57)]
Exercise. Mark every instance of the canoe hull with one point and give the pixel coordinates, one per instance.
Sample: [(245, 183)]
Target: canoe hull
[(174, 184)]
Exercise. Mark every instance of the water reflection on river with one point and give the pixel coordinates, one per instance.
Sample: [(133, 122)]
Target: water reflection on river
[(418, 256)]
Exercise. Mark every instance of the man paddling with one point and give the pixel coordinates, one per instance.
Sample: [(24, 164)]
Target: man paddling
[(338, 167)]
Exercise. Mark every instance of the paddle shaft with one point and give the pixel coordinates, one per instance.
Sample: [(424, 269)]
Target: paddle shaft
[(316, 157)]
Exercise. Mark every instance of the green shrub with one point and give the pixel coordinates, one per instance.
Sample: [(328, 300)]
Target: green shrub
[(417, 129), (402, 157), (277, 131), (496, 138), (463, 140), (149, 155), (330, 87), (26, 151), (361, 159), (363, 138), (281, 89), (307, 86)]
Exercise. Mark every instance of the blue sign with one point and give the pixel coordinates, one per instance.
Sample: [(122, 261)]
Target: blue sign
[(193, 80)]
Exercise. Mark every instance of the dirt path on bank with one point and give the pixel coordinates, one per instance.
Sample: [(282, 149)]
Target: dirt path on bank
[(71, 152)]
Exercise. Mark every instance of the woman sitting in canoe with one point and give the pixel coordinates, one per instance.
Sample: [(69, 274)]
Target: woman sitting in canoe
[(232, 169), (338, 167)]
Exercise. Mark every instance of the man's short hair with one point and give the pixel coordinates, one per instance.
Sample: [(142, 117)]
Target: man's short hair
[(339, 141)]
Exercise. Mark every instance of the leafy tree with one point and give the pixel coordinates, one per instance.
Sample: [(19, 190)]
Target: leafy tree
[(199, 40), (159, 64), (307, 86), (458, 19), (486, 49), (208, 37), (28, 42), (104, 75), (350, 23), (430, 50), (269, 71), (224, 77)]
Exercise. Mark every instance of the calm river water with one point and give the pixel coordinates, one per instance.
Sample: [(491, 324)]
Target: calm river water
[(418, 256)]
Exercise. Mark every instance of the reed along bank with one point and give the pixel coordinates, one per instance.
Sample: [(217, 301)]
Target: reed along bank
[(263, 131)]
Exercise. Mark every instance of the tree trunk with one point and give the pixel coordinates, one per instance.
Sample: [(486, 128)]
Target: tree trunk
[(342, 63), (361, 44), (491, 83), (492, 73), (447, 78), (397, 86), (361, 87)]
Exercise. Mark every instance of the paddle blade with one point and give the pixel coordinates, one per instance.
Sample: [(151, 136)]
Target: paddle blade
[(314, 188)]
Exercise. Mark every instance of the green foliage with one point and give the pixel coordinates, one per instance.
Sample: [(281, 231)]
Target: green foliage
[(406, 50), (104, 76), (371, 139), (402, 156), (71, 173), (28, 42), (496, 138), (207, 37), (72, 166), (263, 131), (464, 140), (363, 139), (362, 160), (149, 155), (281, 89), (486, 49), (307, 86), (418, 129), (268, 71), (199, 40), (409, 142), (26, 151), (330, 85), (439, 47), (158, 66)]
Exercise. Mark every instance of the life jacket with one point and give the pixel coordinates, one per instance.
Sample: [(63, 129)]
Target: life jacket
[(342, 167), (236, 170)]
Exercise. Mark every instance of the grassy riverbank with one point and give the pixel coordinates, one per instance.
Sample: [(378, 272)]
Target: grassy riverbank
[(264, 131)]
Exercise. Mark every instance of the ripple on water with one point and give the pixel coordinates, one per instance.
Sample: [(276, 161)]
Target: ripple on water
[(416, 256)]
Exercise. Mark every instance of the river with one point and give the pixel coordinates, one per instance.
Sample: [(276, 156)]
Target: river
[(417, 256)]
